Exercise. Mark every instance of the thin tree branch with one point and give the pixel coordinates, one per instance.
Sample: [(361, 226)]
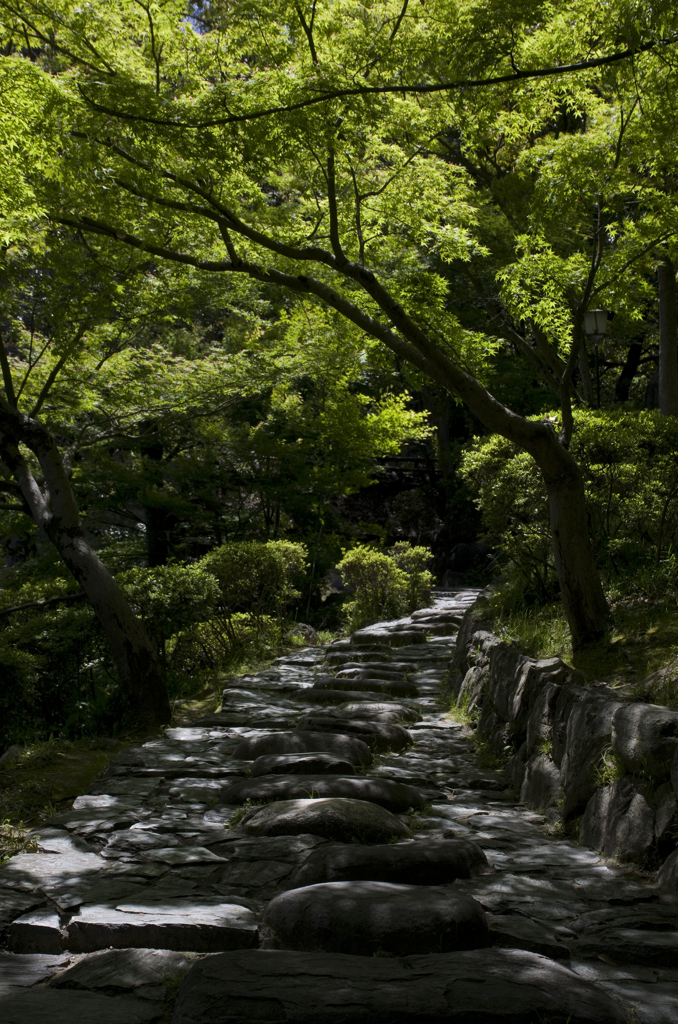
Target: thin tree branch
[(366, 90), (398, 21), (7, 374), (47, 603), (308, 29), (335, 240)]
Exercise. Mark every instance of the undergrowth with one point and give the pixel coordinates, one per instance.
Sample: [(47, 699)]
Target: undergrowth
[(643, 639)]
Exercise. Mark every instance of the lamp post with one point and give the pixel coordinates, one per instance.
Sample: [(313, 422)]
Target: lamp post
[(595, 325)]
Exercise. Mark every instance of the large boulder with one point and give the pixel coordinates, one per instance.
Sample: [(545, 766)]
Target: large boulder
[(619, 820), (377, 735), (588, 733), (364, 918), (338, 818), (540, 719), (394, 796), (263, 987), (540, 783), (645, 737), (301, 741), (423, 862), (667, 876)]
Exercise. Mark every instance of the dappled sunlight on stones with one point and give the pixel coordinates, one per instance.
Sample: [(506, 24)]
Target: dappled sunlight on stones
[(177, 846), (341, 819), (363, 918)]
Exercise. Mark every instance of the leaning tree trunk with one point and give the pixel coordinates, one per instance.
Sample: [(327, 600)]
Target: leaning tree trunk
[(668, 339), (582, 593), (142, 685)]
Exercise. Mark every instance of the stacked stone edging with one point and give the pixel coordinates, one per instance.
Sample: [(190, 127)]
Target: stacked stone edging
[(563, 733)]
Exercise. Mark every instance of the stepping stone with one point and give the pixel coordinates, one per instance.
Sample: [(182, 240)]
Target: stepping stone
[(125, 970), (391, 638), (517, 932), (300, 764), (25, 971), (397, 687), (374, 710), (301, 741), (377, 671), (172, 924), (364, 918), (338, 818), (423, 862), (376, 735), (259, 986), (394, 796), (314, 695)]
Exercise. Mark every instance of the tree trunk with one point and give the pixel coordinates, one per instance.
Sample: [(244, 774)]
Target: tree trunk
[(582, 595), (622, 388), (585, 374), (668, 339), (145, 700)]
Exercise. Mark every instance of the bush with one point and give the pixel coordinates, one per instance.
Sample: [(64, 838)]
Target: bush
[(257, 578), (631, 478), (387, 585)]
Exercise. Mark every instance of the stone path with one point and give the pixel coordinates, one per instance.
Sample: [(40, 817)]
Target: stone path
[(323, 850)]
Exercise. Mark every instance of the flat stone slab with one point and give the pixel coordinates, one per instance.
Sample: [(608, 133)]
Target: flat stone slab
[(343, 820), (394, 796), (52, 1006), (391, 638), (376, 735), (378, 710), (368, 918), (174, 924), (301, 741), (488, 986), (25, 971), (124, 970), (395, 687), (423, 862), (301, 764), (332, 695)]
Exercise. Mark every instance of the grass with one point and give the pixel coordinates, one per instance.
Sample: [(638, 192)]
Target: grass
[(44, 778), (643, 638), (610, 768)]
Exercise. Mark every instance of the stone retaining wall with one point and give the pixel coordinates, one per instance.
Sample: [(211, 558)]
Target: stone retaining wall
[(576, 751)]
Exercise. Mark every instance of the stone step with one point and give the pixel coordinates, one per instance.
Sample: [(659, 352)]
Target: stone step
[(490, 985)]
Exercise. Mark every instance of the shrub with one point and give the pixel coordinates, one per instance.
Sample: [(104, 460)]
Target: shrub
[(387, 584), (257, 578)]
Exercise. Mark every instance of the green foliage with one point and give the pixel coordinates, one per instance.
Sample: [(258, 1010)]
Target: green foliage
[(387, 585), (610, 768), (631, 480), (169, 598), (256, 577)]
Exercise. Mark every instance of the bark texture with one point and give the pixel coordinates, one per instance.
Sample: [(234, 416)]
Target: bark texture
[(668, 339), (55, 512)]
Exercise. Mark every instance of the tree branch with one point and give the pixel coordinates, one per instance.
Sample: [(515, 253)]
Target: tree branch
[(380, 90), (308, 29), (7, 374), (47, 603)]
